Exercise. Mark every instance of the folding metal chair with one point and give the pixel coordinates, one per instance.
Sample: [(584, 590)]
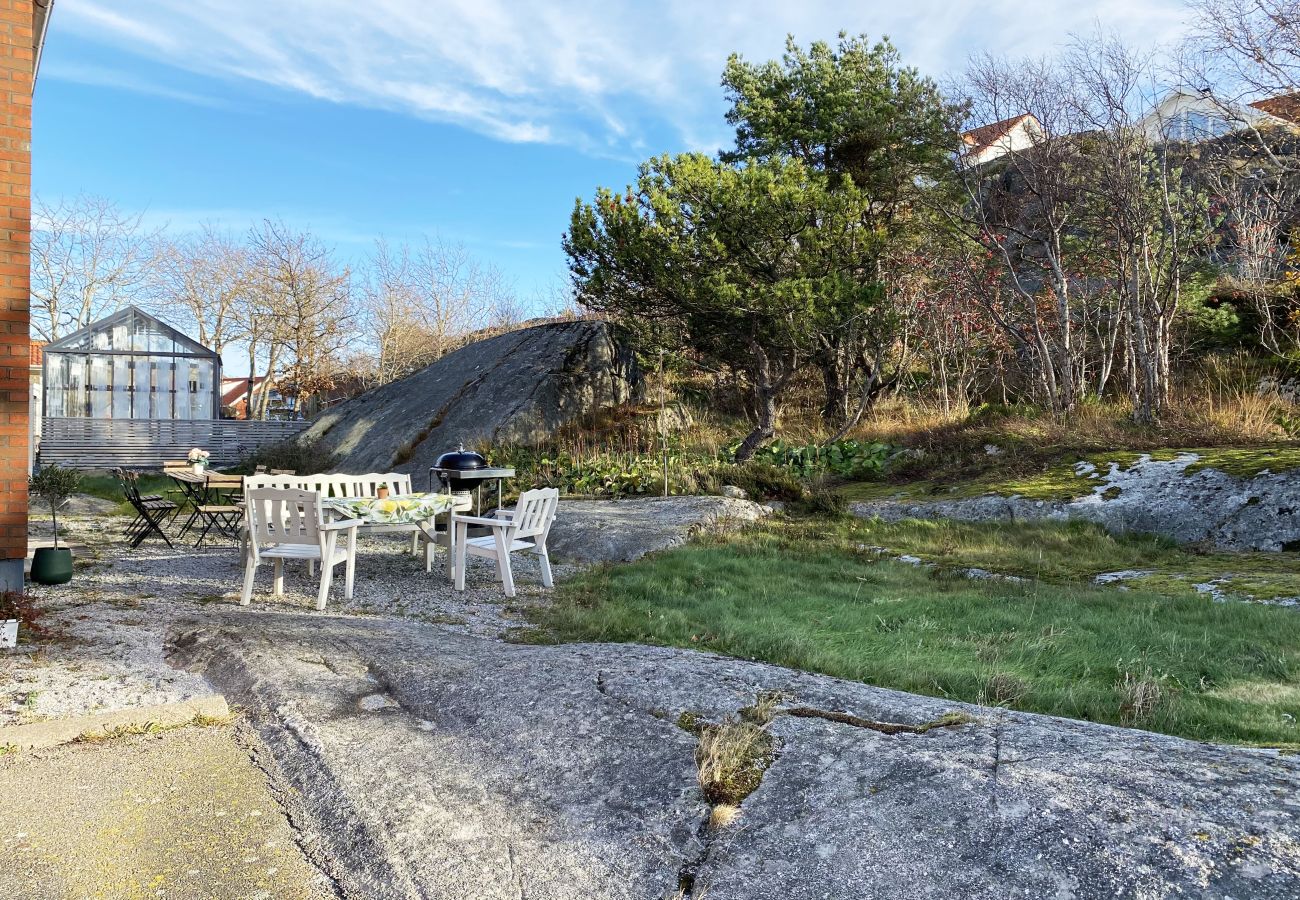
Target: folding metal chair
[(225, 515), (150, 512)]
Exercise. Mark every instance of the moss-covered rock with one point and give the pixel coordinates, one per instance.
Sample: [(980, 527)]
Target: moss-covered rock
[(1246, 499)]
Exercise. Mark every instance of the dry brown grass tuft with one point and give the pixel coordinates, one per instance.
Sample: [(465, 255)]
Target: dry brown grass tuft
[(723, 816), (1141, 694), (731, 758), (765, 707)]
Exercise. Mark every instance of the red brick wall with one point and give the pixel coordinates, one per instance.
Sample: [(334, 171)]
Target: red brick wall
[(15, 265)]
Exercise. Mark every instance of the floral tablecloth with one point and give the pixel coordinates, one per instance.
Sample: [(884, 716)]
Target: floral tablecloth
[(400, 509)]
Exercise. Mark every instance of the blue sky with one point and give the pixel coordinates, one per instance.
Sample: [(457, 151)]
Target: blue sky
[(479, 120)]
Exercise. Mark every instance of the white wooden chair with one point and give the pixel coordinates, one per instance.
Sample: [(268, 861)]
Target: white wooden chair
[(523, 528), (290, 524)]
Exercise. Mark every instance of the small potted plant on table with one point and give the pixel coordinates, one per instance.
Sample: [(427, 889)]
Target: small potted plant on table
[(199, 460), (54, 485)]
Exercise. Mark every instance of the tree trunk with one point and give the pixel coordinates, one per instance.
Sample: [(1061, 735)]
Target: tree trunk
[(765, 406), (835, 408), (764, 428)]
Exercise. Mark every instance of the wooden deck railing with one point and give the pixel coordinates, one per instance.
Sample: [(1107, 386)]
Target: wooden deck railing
[(146, 443)]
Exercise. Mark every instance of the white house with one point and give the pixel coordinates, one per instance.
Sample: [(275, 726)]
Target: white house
[(988, 142), (1186, 114)]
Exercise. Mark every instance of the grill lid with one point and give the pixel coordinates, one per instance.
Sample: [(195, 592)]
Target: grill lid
[(460, 460)]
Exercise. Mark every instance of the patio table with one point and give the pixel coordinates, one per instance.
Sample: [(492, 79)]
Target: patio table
[(411, 510), (400, 509)]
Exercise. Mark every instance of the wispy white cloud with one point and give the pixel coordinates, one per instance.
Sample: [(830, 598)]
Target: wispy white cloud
[(101, 76), (602, 76)]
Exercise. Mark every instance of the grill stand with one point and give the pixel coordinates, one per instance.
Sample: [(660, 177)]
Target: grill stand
[(469, 479)]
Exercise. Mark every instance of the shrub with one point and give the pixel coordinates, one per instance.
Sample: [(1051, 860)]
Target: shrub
[(762, 480), (304, 458)]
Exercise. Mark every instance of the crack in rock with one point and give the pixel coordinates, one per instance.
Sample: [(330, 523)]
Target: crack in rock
[(949, 720)]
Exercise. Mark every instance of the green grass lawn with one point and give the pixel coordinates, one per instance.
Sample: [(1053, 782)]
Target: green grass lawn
[(106, 487), (813, 596), (1080, 550)]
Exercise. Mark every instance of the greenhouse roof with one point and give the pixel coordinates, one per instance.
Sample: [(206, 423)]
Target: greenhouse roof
[(130, 330)]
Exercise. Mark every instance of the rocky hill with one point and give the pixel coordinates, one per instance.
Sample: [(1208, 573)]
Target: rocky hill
[(517, 387)]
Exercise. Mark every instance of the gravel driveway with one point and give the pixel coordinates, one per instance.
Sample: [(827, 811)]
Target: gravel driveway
[(105, 650)]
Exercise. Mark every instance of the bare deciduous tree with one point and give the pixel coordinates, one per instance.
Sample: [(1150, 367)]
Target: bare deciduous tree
[(1143, 224), (300, 314), (1022, 209), (1253, 43), (422, 302), (209, 275), (88, 259)]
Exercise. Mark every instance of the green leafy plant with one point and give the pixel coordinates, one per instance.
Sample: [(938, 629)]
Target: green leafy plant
[(847, 458), (55, 485), (609, 474)]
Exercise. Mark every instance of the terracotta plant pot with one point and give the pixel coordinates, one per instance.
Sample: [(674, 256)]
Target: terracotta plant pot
[(52, 565), (383, 493)]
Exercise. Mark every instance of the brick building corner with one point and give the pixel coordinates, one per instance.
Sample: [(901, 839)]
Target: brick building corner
[(22, 31)]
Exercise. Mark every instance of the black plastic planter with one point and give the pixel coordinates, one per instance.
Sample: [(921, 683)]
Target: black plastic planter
[(52, 565)]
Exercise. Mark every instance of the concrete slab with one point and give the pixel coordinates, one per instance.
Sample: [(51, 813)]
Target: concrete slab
[(37, 735), (182, 815)]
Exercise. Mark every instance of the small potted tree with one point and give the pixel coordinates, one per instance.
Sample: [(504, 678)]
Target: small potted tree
[(54, 485)]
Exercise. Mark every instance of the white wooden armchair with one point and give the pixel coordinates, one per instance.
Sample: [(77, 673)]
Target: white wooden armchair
[(523, 528), (290, 524)]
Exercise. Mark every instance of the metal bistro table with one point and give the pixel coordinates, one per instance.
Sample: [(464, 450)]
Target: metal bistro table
[(214, 498)]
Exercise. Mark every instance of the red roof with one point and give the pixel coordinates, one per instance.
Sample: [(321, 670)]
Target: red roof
[(1283, 106), (987, 135), (234, 390)]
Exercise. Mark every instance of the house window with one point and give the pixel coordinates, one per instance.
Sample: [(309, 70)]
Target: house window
[(1194, 125)]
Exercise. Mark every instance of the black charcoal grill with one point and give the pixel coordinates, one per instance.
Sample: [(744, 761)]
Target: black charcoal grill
[(462, 473)]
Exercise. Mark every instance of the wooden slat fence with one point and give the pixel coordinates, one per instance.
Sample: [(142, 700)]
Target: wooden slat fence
[(146, 443)]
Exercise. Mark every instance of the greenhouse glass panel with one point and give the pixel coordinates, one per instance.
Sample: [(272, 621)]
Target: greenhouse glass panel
[(74, 384), (130, 366), (53, 386), (99, 387), (204, 391), (122, 371), (184, 389)]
